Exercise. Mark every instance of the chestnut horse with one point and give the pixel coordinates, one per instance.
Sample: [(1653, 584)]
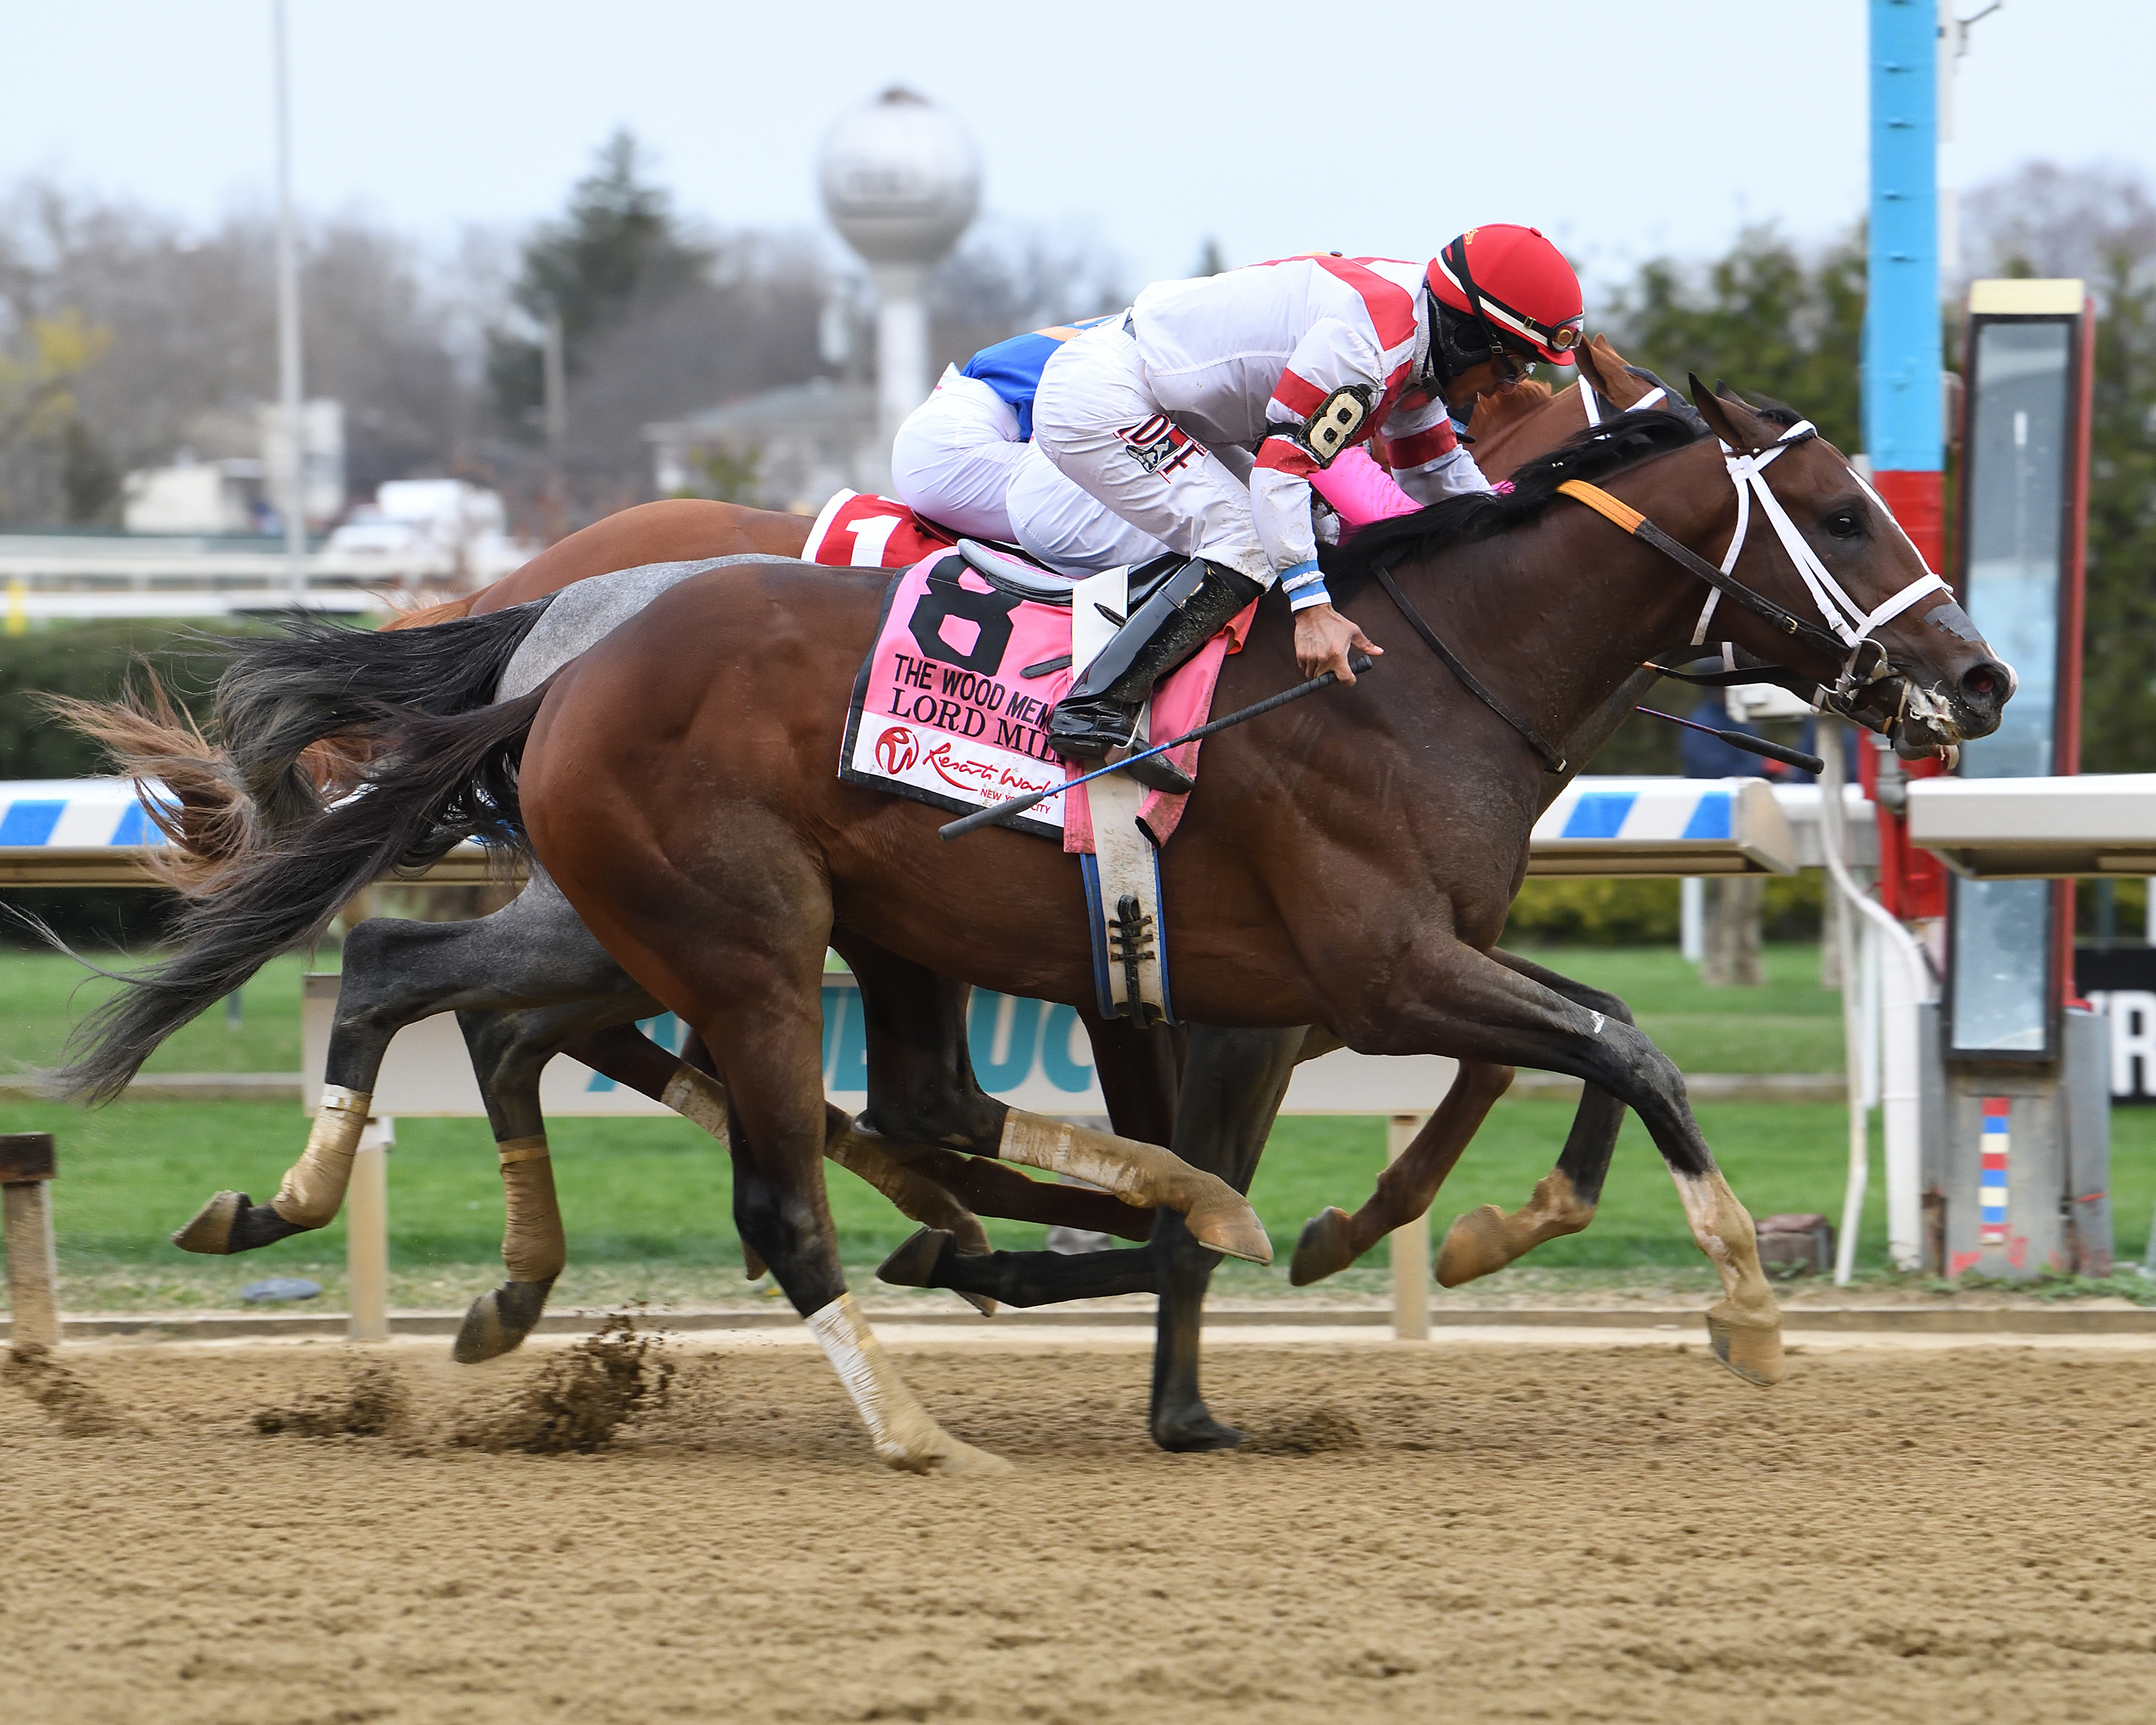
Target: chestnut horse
[(1350, 866)]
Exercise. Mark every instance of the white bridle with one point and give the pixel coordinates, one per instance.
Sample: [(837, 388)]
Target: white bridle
[(1844, 615)]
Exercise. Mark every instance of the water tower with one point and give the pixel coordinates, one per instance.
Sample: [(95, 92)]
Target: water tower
[(900, 181)]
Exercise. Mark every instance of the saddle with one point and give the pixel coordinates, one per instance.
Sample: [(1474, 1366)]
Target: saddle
[(1044, 586), (974, 649)]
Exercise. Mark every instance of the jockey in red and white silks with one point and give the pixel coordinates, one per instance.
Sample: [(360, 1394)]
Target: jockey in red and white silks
[(1296, 361)]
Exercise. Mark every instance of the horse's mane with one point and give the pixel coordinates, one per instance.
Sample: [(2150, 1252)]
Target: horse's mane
[(1624, 441)]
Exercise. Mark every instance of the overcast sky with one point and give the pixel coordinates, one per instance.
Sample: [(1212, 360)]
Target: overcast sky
[(1622, 129)]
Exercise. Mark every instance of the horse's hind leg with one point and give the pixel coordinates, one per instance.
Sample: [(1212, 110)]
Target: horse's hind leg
[(736, 949), (1333, 1240), (395, 973), (508, 1051), (1486, 1239)]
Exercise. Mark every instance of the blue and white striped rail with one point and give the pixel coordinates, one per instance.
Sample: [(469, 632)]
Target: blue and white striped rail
[(95, 832), (92, 832), (1664, 826), (73, 832)]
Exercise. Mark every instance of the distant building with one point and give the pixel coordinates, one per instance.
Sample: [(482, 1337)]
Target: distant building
[(231, 493), (440, 530), (217, 498), (785, 449)]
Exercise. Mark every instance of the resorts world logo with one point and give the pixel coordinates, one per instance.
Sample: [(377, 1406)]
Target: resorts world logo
[(897, 750)]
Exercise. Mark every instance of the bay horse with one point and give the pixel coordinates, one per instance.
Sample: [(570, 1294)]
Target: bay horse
[(529, 982), (1351, 869)]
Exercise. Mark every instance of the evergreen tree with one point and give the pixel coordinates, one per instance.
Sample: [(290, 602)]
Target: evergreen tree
[(617, 243), (1764, 319)]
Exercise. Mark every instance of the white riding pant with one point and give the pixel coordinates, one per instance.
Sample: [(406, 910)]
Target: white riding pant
[(953, 457), (957, 460), (1095, 417), (1070, 530)]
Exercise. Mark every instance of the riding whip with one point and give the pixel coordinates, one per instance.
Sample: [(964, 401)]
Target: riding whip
[(1359, 662), (1745, 740)]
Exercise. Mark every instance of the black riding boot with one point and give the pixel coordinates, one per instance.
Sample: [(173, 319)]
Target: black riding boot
[(1100, 712)]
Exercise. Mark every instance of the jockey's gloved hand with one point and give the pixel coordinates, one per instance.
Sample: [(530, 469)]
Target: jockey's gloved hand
[(1324, 639)]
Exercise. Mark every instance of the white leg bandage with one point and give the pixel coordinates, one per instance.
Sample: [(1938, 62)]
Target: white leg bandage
[(699, 1099), (532, 1248), (1723, 1229), (1144, 1174), (899, 1426), (314, 1187)]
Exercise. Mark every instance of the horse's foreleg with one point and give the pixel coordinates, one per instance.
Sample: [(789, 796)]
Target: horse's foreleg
[(1487, 1239), (1471, 1005), (739, 957), (1233, 1082), (1333, 1240), (777, 1140)]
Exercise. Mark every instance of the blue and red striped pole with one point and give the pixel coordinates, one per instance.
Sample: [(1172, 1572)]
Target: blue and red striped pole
[(1902, 432)]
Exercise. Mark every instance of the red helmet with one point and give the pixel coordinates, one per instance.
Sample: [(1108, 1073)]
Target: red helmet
[(1515, 283)]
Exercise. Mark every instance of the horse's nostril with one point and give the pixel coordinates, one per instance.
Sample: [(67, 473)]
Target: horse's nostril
[(1982, 681)]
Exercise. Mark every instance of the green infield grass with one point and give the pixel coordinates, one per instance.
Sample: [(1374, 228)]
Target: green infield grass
[(647, 1202)]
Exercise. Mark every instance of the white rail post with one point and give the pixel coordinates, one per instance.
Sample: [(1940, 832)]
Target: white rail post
[(367, 1232), (27, 1167), (1410, 1245), (1905, 984)]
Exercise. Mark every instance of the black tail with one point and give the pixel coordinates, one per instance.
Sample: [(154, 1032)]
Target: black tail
[(319, 679), (431, 781)]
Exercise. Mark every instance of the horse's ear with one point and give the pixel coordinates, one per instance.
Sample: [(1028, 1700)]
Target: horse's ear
[(1724, 418), (1589, 358)]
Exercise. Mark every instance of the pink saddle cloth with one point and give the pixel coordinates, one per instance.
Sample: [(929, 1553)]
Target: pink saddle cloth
[(944, 713)]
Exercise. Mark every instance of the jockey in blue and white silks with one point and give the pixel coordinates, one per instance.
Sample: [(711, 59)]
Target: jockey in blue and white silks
[(964, 459)]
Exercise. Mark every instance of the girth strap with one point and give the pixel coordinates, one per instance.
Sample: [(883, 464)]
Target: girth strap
[(1552, 758)]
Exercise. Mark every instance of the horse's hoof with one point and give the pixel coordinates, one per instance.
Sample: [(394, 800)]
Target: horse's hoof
[(984, 1304), (210, 1233), (1752, 1353), (1474, 1246), (499, 1320), (1193, 1434), (913, 1265), (1230, 1228), (1326, 1245), (947, 1458)]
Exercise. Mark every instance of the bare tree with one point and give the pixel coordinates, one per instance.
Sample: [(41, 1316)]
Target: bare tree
[(180, 326)]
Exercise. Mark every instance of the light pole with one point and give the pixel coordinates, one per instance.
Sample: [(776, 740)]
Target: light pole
[(294, 503)]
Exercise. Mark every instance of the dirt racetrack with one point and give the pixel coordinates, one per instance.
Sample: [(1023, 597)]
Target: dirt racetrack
[(1432, 1533)]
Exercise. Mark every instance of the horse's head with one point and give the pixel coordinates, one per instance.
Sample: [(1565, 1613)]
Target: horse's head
[(1909, 659)]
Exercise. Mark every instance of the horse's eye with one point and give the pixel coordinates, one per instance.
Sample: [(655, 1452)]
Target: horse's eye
[(1845, 524)]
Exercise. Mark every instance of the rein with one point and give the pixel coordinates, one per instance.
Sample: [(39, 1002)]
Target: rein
[(1849, 625), (1553, 759), (1847, 634)]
